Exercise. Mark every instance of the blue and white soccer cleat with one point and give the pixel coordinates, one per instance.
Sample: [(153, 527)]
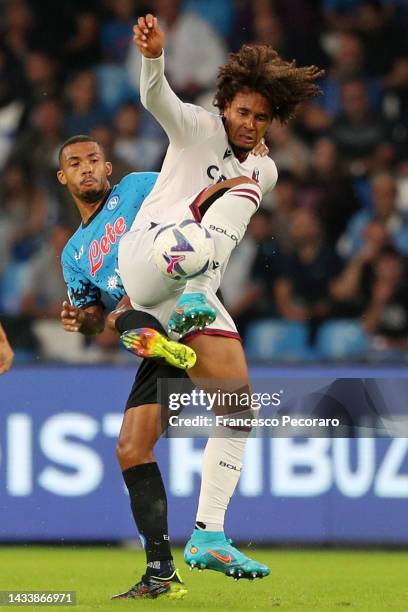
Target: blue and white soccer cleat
[(211, 550), (192, 312)]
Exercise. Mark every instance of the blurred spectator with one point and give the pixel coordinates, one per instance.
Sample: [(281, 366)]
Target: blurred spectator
[(285, 199), (46, 290), (268, 28), (11, 103), (347, 63), (17, 31), (23, 210), (293, 29), (396, 105), (351, 288), (220, 14), (41, 73), (105, 135), (402, 186), (386, 315), (84, 110), (248, 280), (116, 32), (328, 189), (83, 49), (189, 41), (141, 152), (360, 134), (287, 150), (11, 77), (384, 193), (383, 38), (38, 146), (302, 290), (343, 14)]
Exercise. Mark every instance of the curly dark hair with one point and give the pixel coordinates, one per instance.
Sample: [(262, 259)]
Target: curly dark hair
[(259, 68)]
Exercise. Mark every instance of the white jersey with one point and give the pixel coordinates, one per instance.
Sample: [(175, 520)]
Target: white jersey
[(198, 155)]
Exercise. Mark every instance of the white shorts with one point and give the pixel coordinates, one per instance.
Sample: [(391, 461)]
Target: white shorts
[(151, 291)]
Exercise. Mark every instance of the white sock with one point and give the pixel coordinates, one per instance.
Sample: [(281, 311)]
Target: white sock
[(222, 467), (227, 220)]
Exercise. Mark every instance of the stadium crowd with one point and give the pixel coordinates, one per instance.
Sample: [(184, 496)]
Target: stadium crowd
[(329, 245)]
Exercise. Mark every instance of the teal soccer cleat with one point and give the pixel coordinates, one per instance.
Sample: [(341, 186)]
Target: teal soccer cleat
[(192, 312), (211, 550)]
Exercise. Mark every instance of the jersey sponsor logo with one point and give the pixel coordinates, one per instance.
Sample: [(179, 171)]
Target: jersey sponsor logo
[(255, 175), (230, 466), (98, 249), (214, 173), (113, 202), (222, 230)]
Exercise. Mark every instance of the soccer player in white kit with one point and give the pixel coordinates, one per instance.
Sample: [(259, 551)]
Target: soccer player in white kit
[(254, 87)]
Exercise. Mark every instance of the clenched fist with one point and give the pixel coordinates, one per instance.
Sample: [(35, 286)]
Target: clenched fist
[(72, 317)]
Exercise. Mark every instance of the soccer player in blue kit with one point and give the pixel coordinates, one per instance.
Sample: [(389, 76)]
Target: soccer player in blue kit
[(89, 259)]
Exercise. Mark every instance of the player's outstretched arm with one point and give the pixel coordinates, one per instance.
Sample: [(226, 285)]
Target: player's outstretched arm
[(88, 321), (183, 123), (6, 352)]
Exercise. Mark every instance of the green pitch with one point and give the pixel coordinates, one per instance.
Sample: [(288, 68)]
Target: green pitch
[(300, 580)]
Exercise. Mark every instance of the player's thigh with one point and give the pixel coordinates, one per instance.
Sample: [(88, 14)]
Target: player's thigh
[(143, 282), (218, 357)]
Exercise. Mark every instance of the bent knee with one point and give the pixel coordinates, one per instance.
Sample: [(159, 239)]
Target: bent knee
[(130, 453)]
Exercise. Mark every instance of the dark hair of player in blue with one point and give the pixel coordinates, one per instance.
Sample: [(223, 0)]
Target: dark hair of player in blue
[(74, 140)]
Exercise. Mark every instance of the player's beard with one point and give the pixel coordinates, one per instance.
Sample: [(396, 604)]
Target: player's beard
[(92, 195)]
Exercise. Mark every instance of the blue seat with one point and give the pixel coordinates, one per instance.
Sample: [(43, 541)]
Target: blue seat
[(276, 340), (340, 339)]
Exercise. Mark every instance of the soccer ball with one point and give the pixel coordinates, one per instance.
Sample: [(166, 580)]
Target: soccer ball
[(183, 250)]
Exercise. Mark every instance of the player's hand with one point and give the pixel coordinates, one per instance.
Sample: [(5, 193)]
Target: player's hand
[(148, 37), (260, 149), (6, 355), (71, 317)]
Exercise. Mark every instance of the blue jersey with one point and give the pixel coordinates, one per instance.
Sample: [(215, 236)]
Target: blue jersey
[(90, 257)]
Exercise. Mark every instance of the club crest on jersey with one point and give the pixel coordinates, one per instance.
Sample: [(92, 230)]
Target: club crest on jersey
[(255, 175), (98, 249), (113, 202)]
